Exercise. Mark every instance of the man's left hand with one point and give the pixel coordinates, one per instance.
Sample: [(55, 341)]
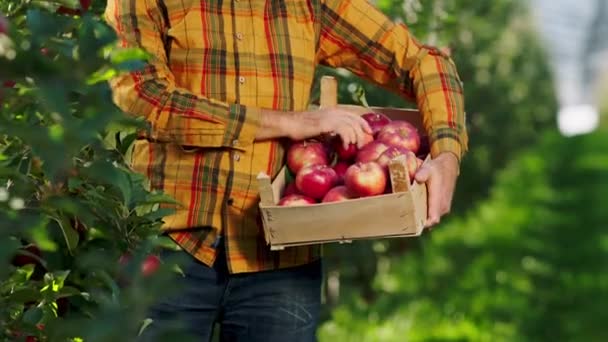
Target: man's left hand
[(440, 175)]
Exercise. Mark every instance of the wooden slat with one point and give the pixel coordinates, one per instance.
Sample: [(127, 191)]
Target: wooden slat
[(400, 179), (265, 187), (329, 92)]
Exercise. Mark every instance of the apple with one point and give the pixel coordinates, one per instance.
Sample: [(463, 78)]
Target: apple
[(349, 153), (295, 200), (366, 179), (400, 133), (291, 189), (390, 153), (371, 152), (338, 194), (29, 254), (305, 153), (376, 121), (150, 265), (316, 180), (340, 169), (4, 25)]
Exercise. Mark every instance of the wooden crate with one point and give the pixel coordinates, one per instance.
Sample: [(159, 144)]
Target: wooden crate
[(399, 214)]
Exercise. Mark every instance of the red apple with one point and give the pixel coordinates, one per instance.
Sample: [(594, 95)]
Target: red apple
[(4, 25), (340, 169), (371, 152), (150, 265), (305, 153), (29, 254), (316, 180), (338, 194), (366, 179), (295, 200), (376, 121), (290, 189), (400, 133), (345, 153), (349, 153), (390, 153)]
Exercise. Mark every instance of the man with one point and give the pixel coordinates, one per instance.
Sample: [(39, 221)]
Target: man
[(226, 81)]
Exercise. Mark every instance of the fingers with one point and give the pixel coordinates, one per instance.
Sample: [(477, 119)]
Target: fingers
[(347, 134), (352, 128), (359, 126), (434, 202), (426, 175), (423, 174), (364, 125)]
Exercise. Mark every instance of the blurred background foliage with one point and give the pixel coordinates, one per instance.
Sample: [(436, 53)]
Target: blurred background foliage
[(521, 257)]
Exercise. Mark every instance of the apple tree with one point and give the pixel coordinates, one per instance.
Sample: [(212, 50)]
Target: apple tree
[(78, 228)]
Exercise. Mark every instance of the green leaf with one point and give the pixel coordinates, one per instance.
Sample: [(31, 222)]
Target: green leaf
[(25, 272), (126, 143), (101, 75), (73, 4), (74, 183), (160, 197), (41, 238), (70, 235), (107, 173), (33, 315), (25, 295), (145, 324), (159, 214), (41, 24), (69, 291), (122, 55)]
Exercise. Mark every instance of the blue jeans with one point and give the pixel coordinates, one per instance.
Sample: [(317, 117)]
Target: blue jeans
[(280, 305)]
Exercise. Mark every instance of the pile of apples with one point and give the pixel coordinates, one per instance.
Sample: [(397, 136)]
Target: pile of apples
[(326, 171)]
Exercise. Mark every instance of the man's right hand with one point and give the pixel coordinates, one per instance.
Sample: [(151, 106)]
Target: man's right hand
[(309, 124)]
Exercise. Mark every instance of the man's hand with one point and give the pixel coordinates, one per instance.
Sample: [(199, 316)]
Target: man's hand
[(440, 174), (351, 127)]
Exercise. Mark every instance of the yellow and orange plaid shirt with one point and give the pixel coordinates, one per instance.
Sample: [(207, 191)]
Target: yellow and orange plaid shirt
[(217, 63)]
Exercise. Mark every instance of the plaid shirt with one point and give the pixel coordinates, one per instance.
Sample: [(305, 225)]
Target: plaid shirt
[(215, 64)]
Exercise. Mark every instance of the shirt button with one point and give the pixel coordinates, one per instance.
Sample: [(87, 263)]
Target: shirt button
[(241, 79), (239, 36), (236, 157), (235, 143)]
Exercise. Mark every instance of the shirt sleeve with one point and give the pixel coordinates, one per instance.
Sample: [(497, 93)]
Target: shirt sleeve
[(175, 114), (357, 36)]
